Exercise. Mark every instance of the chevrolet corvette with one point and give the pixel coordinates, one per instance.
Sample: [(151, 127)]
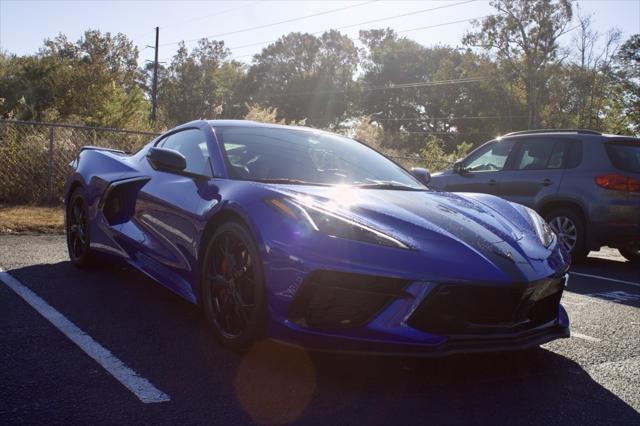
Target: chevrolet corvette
[(314, 239)]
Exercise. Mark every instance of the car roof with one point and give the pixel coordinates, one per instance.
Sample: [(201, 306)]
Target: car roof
[(584, 134), (250, 123)]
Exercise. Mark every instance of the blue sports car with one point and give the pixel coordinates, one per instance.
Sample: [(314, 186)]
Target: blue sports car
[(314, 239)]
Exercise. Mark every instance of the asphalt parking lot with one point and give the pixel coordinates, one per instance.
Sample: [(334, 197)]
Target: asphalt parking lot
[(162, 342)]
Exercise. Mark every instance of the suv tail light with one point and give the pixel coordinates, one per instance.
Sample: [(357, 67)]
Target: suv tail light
[(618, 182)]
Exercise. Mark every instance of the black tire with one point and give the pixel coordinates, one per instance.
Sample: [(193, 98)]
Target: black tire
[(569, 226), (77, 230), (631, 252), (232, 291)]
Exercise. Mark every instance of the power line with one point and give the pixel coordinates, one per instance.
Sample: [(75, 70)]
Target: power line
[(197, 18), (200, 18), (446, 133), (409, 120), (260, 43), (373, 21), (443, 24), (257, 27), (413, 85), (349, 26)]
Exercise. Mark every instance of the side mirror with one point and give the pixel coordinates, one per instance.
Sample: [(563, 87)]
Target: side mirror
[(167, 160), (457, 167), (421, 174)]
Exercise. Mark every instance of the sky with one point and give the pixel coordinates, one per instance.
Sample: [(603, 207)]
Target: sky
[(24, 25)]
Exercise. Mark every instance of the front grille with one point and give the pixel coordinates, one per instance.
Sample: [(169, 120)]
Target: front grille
[(470, 309), (329, 299)]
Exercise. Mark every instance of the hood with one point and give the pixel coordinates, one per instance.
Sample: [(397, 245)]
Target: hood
[(483, 223)]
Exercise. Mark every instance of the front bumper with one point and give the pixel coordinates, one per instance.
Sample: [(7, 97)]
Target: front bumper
[(396, 318), (507, 343)]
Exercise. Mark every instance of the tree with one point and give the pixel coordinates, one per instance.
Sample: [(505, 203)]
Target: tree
[(414, 91), (93, 81), (584, 83), (523, 36), (305, 77), (623, 110), (198, 84), (390, 61)]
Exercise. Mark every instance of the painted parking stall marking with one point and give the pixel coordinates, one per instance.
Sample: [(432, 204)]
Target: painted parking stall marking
[(616, 296), (139, 386), (606, 278), (585, 337)]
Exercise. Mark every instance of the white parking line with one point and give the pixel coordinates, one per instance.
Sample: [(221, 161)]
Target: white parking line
[(139, 386), (605, 278), (585, 337)]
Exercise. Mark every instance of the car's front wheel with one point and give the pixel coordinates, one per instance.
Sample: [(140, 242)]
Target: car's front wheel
[(570, 229), (77, 230), (233, 293), (631, 252)]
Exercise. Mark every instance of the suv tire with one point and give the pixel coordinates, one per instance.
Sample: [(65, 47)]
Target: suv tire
[(569, 226)]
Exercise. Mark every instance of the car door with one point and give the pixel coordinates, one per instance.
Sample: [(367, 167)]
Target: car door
[(535, 170), (481, 170), (167, 212)]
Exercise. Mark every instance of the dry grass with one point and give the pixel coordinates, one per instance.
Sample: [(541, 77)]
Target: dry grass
[(31, 219)]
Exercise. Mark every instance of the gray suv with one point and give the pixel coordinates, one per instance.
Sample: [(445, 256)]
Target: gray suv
[(584, 183)]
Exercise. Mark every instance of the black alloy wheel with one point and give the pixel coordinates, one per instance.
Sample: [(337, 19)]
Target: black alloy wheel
[(77, 230), (233, 287)]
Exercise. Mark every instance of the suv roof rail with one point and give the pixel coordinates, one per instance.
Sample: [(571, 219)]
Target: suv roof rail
[(530, 132)]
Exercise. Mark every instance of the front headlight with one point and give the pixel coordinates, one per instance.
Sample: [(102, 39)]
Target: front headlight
[(543, 230), (331, 224)]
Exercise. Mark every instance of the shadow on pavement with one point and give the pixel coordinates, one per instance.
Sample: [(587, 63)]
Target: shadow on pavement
[(165, 340)]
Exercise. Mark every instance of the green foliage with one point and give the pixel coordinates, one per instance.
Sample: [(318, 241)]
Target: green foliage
[(433, 154), (92, 81), (305, 77), (199, 84), (435, 158), (523, 36), (416, 103), (623, 109)]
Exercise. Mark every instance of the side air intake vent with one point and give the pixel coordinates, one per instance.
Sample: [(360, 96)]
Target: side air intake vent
[(119, 200), (331, 299)]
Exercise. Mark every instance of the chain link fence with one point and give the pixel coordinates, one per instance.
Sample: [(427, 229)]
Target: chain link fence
[(34, 157)]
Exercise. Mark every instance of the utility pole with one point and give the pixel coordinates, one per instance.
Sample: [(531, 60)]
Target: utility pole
[(154, 90)]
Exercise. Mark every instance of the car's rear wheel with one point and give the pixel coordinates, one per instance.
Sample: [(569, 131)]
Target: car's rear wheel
[(631, 252), (233, 293), (569, 227), (77, 230)]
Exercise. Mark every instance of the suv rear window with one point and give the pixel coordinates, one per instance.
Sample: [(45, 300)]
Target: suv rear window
[(625, 155)]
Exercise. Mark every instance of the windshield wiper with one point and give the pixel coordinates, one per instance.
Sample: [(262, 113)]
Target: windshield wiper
[(389, 185), (289, 182)]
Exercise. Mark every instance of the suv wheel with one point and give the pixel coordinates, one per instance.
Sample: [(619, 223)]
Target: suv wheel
[(631, 252), (569, 227)]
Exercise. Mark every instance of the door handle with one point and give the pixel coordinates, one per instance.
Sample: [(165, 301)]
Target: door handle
[(547, 182), (492, 182)]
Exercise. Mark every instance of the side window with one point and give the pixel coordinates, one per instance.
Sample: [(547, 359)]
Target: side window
[(193, 145), (557, 158), (537, 154), (574, 158), (490, 158)]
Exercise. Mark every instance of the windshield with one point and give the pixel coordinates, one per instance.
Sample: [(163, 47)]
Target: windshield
[(299, 156)]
